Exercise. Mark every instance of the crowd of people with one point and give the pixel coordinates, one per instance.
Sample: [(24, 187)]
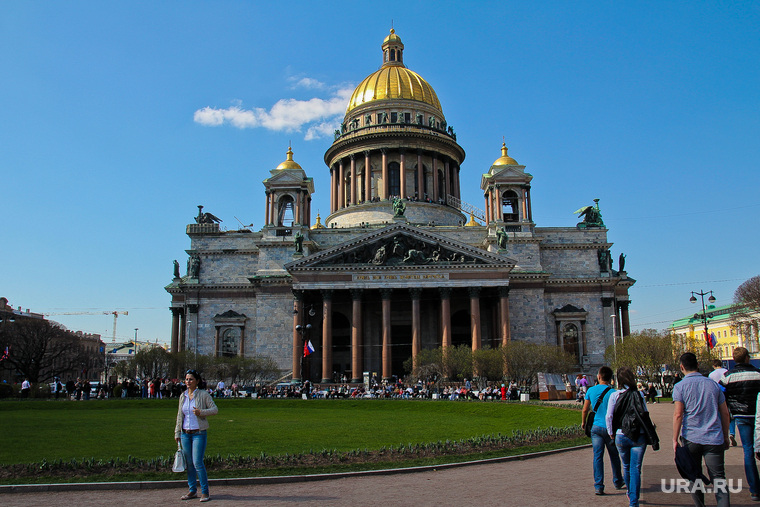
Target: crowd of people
[(708, 411)]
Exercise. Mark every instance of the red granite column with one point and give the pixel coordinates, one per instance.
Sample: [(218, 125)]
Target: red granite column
[(353, 180), (624, 317), (435, 179), (420, 176), (341, 185), (504, 315), (385, 294), (402, 175), (416, 331), (297, 345), (182, 329), (367, 177), (384, 192), (175, 329), (475, 317), (327, 363), (445, 317), (356, 336)]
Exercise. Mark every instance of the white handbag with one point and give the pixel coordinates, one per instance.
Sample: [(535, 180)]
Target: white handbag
[(179, 460)]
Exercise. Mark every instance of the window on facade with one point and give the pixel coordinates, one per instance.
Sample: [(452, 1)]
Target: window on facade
[(230, 342), (570, 339), (394, 179), (393, 55), (509, 206), (285, 211), (407, 117), (394, 117)]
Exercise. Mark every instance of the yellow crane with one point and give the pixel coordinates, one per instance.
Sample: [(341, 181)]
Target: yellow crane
[(115, 314)]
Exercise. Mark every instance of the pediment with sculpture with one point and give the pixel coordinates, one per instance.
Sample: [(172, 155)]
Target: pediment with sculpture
[(402, 245)]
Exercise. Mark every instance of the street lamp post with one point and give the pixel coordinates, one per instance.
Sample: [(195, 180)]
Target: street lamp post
[(614, 335), (304, 332), (704, 316)]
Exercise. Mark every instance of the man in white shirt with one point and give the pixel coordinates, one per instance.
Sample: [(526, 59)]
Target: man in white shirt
[(716, 374)]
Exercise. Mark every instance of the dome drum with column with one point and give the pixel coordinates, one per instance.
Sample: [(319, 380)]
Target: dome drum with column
[(394, 142)]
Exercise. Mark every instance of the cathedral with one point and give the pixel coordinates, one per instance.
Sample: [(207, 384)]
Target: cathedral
[(401, 263)]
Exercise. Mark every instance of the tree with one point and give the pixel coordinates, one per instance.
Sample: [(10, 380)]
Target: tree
[(647, 352), (151, 363), (489, 365), (41, 350), (746, 307), (524, 360), (428, 366)]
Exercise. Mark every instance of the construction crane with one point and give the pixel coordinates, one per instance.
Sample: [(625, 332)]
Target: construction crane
[(114, 313)]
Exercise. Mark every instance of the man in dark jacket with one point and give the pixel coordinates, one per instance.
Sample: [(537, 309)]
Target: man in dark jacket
[(742, 384)]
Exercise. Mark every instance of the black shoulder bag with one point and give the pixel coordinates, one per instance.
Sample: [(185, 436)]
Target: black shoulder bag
[(592, 414)]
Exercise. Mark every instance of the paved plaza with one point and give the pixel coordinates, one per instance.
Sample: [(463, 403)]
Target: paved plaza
[(561, 479)]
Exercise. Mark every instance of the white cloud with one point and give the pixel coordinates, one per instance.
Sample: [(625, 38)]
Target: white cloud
[(308, 82), (320, 116)]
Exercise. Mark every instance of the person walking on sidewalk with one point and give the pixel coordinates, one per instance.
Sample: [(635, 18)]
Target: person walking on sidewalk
[(600, 440), (742, 384), (716, 375), (701, 420)]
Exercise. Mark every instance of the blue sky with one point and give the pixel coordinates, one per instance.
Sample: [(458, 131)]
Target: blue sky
[(119, 118)]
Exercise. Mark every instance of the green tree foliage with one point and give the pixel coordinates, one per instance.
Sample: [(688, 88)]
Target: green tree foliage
[(646, 352), (41, 350), (152, 363)]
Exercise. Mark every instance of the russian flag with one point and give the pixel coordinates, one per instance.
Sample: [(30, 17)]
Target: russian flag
[(712, 342), (308, 348)]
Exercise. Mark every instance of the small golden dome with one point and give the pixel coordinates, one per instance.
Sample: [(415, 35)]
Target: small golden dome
[(393, 38), (505, 159), (318, 225), (472, 222), (289, 163)]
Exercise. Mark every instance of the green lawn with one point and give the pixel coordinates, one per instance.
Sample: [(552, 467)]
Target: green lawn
[(36, 430)]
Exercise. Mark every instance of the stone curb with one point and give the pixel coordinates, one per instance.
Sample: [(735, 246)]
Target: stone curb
[(246, 481)]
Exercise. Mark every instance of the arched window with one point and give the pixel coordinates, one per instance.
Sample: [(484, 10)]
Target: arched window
[(229, 345), (509, 206), (394, 178), (285, 211), (570, 339), (393, 55)]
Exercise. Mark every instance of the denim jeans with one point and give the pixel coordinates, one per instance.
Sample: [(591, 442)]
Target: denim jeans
[(600, 441), (713, 455), (632, 455), (194, 447), (746, 428)]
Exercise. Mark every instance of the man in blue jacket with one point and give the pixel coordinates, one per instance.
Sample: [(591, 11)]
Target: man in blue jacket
[(742, 384), (599, 437)]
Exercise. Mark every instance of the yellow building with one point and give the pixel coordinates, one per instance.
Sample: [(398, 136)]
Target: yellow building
[(730, 330)]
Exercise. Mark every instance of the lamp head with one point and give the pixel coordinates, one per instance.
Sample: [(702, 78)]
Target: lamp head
[(692, 299)]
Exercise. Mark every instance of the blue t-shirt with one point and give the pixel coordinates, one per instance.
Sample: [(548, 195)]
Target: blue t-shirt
[(593, 395)]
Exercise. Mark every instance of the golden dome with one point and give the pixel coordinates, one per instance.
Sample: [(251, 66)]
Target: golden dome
[(393, 38), (393, 81), (505, 159), (318, 225), (289, 163)]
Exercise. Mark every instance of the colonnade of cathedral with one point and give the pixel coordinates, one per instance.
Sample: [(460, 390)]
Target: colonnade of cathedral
[(393, 172), (366, 297)]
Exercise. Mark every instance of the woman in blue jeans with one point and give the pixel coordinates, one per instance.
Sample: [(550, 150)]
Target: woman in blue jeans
[(195, 405), (630, 447)]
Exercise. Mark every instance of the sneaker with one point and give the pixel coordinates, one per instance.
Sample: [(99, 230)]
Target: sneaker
[(755, 498), (599, 492), (620, 486), (733, 440)]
